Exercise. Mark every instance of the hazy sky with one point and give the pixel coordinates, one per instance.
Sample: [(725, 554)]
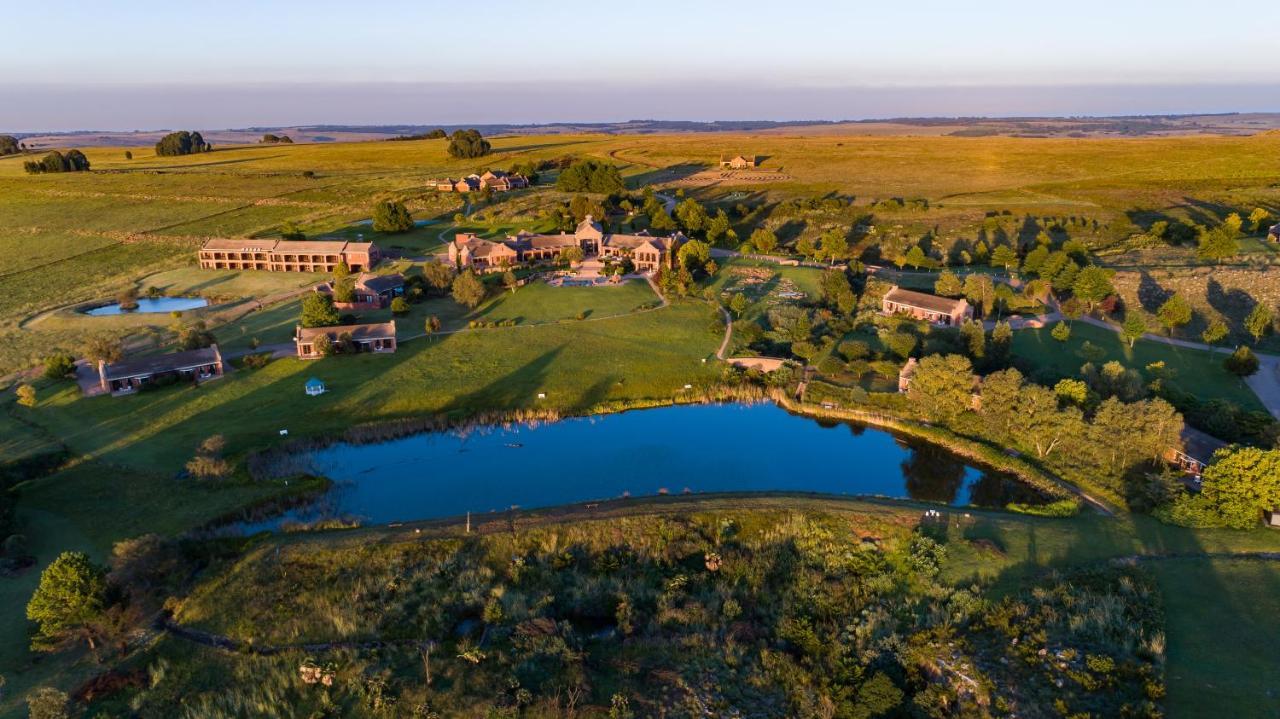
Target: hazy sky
[(144, 63)]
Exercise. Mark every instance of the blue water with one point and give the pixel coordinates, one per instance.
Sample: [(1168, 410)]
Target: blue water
[(694, 448), (150, 305)]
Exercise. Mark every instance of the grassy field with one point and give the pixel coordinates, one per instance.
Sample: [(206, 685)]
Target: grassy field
[(1197, 372), (1222, 636), (577, 365)]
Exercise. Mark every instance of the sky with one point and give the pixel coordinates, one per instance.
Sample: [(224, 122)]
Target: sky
[(145, 64)]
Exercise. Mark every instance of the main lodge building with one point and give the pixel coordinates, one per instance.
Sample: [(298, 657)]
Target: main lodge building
[(647, 252), (288, 255), (922, 306)]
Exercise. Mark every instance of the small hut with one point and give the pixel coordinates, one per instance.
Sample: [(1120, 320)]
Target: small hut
[(315, 386)]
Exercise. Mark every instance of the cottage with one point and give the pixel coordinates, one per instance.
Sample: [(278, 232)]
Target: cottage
[(1196, 452), (500, 181), (131, 375), (315, 386), (371, 292), (376, 337), (288, 255), (739, 162), (922, 306)]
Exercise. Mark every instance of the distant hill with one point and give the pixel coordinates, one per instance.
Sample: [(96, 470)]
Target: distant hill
[(1223, 124)]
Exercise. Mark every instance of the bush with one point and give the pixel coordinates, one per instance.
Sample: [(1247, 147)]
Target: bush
[(1060, 508), (1242, 362), (59, 366), (399, 306)]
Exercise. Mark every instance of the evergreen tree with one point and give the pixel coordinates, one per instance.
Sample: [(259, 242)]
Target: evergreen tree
[(318, 310), (68, 602), (392, 216)]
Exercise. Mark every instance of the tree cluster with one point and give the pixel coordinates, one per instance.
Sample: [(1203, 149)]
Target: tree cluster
[(182, 143), (591, 175), (9, 145), (392, 216), (466, 144), (73, 161), (270, 139)]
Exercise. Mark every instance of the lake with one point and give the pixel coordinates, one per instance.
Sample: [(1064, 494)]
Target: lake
[(689, 448), (147, 305)]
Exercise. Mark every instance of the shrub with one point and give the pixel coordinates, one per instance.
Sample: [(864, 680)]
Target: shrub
[(1243, 362), (59, 366), (1061, 332), (399, 306), (26, 395)]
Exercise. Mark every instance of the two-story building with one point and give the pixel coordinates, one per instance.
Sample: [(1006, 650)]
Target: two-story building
[(288, 255)]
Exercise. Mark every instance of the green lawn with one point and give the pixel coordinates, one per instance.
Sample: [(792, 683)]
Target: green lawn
[(1197, 372), (1222, 635), (578, 365), (227, 284)]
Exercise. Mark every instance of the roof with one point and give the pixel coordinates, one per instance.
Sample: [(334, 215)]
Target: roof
[(238, 244), (588, 222), (145, 366), (1275, 229), (315, 382), (380, 283), (372, 331), (1198, 445), (359, 246), (924, 301), (545, 241), (324, 246)]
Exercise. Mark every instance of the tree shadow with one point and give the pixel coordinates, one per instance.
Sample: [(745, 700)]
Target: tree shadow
[(1150, 294), (1234, 304)]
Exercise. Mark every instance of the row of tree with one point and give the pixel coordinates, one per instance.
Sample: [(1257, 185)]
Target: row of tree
[(270, 139)]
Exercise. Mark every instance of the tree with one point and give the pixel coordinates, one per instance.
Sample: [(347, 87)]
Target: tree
[(1215, 332), (1005, 257), (916, 258), (1258, 219), (1072, 391), (980, 291), (1061, 332), (738, 303), (1092, 285), (195, 336), (182, 143), (47, 703), (392, 216), (59, 366), (510, 281), (719, 229), (1175, 312), (1219, 243), (26, 395), (323, 345), (1001, 343), (68, 602), (693, 255), (837, 293), (692, 215), (592, 175), (1000, 393), (432, 325), (573, 255), (9, 145), (104, 349), (975, 340), (399, 306), (468, 290), (763, 240), (318, 310), (1133, 328), (942, 386), (438, 277), (128, 154), (344, 290), (1259, 321), (948, 285), (1242, 363), (834, 246), (1235, 488), (467, 144), (1035, 260)]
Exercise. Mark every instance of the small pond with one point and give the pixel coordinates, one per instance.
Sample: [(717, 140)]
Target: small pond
[(691, 448), (148, 305)]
